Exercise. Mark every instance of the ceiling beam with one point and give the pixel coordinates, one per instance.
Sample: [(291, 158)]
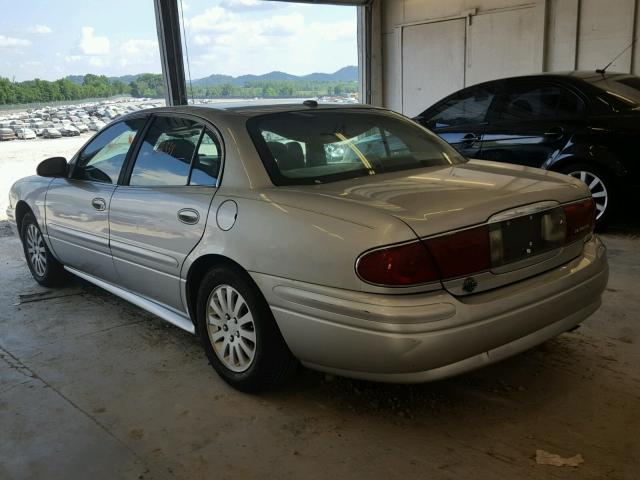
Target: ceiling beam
[(168, 26)]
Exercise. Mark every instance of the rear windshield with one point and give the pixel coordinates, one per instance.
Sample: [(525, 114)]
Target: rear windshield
[(321, 146), (622, 92)]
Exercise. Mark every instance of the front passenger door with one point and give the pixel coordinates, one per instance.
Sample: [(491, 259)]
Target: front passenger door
[(160, 214), (531, 124)]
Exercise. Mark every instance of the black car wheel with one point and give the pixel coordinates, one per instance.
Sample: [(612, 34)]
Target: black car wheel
[(45, 269), (600, 187), (238, 332)]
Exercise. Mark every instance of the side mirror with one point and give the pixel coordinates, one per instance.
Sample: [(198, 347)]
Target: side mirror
[(53, 167)]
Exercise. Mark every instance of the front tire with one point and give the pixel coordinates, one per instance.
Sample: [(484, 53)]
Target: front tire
[(239, 334), (45, 269)]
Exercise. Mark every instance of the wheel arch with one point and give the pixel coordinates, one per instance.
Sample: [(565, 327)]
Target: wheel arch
[(196, 273), (22, 208)]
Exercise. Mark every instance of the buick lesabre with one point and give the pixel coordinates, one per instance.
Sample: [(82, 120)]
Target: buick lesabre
[(349, 239)]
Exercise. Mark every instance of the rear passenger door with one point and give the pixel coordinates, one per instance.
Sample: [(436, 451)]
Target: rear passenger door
[(531, 122), (159, 213), (460, 120)]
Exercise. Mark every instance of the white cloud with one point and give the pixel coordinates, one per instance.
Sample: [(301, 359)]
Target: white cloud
[(93, 45), (245, 5), (42, 29), (139, 52), (209, 20), (336, 31), (10, 42)]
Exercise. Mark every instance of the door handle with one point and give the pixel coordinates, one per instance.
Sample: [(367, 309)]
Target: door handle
[(189, 216), (99, 204), (470, 138), (554, 132)]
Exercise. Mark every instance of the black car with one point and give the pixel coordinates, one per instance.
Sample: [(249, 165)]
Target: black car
[(585, 124)]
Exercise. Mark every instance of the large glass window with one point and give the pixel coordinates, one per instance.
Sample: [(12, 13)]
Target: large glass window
[(102, 159), (620, 93), (540, 102), (328, 145), (165, 156), (206, 165), (468, 108)]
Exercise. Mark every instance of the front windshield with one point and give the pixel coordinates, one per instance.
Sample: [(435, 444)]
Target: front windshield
[(313, 147)]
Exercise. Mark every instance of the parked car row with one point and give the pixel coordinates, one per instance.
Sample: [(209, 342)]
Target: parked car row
[(67, 121), (584, 124)]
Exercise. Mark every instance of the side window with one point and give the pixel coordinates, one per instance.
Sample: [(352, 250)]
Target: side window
[(102, 159), (166, 152), (206, 164), (469, 108), (540, 102)]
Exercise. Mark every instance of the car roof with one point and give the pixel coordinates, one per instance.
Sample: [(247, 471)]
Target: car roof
[(250, 110), (589, 76)]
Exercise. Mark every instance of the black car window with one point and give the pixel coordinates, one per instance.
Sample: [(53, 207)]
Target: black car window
[(540, 102), (166, 152), (618, 93), (102, 159), (468, 107), (206, 164)]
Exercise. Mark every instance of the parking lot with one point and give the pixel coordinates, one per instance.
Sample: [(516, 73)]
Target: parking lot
[(123, 394)]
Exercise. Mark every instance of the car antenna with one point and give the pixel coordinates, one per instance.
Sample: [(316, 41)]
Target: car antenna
[(602, 71)]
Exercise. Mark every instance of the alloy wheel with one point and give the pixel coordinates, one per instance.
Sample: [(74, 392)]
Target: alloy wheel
[(596, 187), (231, 328), (36, 250)]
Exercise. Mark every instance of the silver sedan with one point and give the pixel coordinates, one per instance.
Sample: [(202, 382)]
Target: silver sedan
[(349, 239)]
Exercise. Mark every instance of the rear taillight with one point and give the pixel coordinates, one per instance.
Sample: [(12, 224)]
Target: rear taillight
[(461, 253), (447, 256), (471, 251), (581, 219), (400, 265)]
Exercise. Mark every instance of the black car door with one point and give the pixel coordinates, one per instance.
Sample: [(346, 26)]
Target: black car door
[(530, 123), (461, 118)]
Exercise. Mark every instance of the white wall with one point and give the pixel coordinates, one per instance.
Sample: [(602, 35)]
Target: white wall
[(502, 37)]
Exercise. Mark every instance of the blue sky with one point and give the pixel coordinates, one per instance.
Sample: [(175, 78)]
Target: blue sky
[(49, 40)]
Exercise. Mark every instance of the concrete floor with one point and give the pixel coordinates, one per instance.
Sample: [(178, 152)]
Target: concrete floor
[(92, 387)]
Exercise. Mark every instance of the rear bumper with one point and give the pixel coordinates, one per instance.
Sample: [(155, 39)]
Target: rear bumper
[(423, 337)]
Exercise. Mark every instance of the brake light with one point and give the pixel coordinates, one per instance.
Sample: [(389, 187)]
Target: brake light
[(448, 256), (471, 251), (461, 253), (581, 219), (401, 265)]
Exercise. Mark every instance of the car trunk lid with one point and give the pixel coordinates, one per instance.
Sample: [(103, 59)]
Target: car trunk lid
[(439, 200)]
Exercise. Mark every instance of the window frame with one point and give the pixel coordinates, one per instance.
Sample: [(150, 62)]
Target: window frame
[(73, 163), (494, 87), (206, 125), (510, 88)]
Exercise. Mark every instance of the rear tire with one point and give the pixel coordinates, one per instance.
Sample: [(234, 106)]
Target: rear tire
[(601, 187), (239, 334), (45, 269)]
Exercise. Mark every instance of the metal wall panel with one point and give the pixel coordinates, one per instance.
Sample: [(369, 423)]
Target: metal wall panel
[(501, 44), (606, 29), (432, 63)]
